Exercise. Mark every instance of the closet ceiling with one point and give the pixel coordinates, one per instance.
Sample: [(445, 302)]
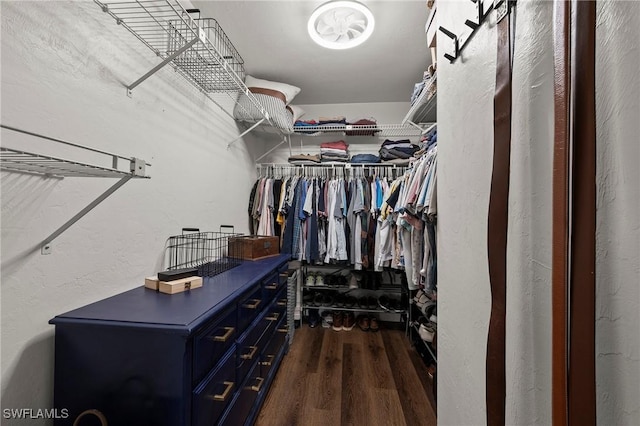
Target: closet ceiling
[(272, 38)]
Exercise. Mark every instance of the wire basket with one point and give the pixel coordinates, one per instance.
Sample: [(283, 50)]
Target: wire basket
[(207, 251), (213, 63)]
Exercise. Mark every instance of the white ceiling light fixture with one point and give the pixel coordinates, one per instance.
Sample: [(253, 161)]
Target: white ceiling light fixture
[(341, 24)]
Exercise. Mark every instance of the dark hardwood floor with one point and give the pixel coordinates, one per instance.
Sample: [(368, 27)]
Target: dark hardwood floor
[(349, 378)]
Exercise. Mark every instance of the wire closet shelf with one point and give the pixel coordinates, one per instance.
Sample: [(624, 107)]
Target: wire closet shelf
[(212, 63), (380, 130), (197, 48), (210, 252)]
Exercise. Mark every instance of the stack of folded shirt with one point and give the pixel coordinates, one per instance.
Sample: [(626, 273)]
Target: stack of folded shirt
[(334, 151), (332, 122), (301, 124), (369, 131), (304, 159), (397, 150)]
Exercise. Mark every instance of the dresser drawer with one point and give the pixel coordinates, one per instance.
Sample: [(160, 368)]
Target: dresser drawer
[(253, 342), (215, 393), (253, 387), (273, 348), (213, 341), (249, 307), (272, 284), (279, 303)]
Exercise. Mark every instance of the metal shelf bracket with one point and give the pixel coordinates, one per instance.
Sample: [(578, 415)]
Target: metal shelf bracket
[(45, 247), (162, 64), (20, 161)]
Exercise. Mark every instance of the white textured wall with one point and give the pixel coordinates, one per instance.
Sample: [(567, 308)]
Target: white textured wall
[(618, 213), (383, 112), (64, 66), (465, 111)]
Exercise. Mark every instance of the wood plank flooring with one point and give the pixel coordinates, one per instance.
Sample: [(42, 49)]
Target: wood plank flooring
[(349, 378)]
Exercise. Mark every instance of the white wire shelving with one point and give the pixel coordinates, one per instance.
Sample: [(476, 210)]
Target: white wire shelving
[(424, 108), (197, 48), (21, 161), (379, 130)]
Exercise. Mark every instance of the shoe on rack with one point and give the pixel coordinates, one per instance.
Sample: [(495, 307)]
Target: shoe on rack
[(341, 281), (327, 319), (327, 299), (337, 321), (348, 321), (318, 298), (311, 280), (307, 298), (314, 318), (363, 322), (350, 301), (340, 300), (319, 279), (420, 299), (363, 302), (431, 371), (426, 332), (428, 309), (384, 302), (329, 280), (389, 303), (372, 302), (373, 324), (353, 282)]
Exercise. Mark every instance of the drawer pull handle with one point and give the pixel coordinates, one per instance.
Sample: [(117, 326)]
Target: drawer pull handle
[(268, 361), (282, 302), (251, 353), (272, 286), (258, 385), (223, 396), (274, 317), (284, 329), (284, 275), (229, 331), (253, 305)]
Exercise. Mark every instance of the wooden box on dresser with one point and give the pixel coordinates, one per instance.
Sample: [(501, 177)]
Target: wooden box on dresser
[(203, 357)]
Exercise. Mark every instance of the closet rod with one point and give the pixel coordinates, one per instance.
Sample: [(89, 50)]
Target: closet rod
[(331, 166)]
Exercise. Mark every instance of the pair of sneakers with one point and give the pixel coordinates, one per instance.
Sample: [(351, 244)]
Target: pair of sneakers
[(368, 323), (314, 279), (428, 328), (343, 321)]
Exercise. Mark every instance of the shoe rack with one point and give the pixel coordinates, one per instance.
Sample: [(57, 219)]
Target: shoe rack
[(338, 288)]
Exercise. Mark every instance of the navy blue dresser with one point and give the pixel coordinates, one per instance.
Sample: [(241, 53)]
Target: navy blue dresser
[(203, 357)]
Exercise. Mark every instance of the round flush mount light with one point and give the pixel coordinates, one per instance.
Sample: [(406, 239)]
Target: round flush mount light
[(341, 24)]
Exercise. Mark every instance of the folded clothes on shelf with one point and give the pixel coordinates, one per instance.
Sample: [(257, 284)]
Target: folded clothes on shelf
[(363, 132), (304, 159), (332, 159), (333, 120), (403, 143), (299, 126), (333, 151), (341, 145), (365, 159), (397, 153)]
